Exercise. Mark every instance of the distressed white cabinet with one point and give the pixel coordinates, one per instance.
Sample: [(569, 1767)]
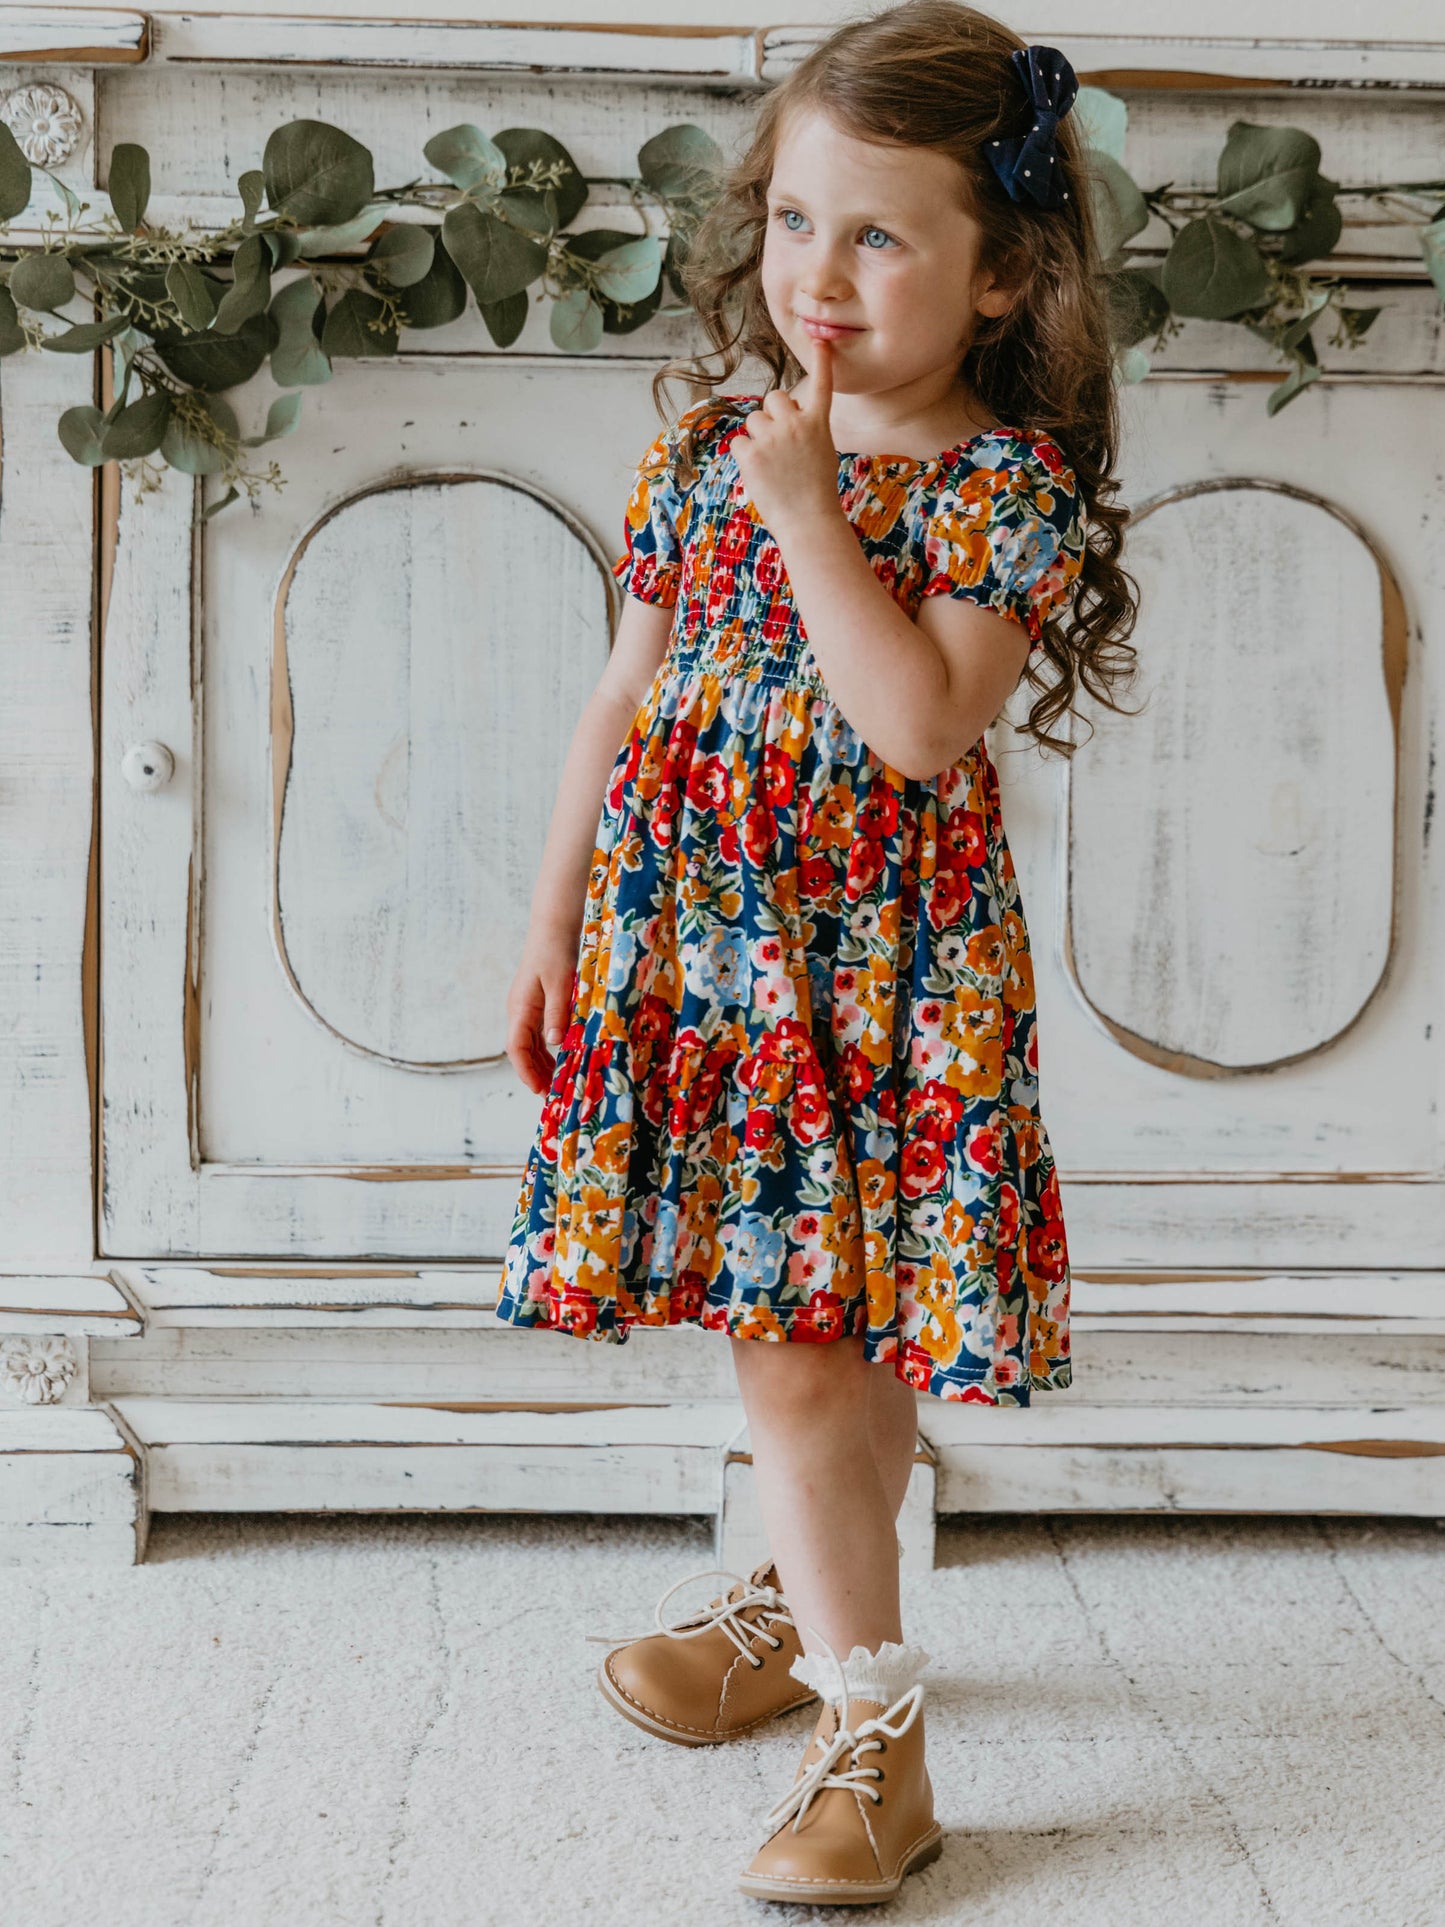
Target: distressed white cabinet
[(273, 787)]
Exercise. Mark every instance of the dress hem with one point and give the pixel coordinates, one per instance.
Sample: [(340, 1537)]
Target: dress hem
[(796, 1325)]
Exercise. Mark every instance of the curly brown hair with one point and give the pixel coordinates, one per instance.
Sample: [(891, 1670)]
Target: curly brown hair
[(936, 73)]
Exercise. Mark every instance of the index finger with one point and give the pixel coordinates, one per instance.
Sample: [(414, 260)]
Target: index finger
[(820, 395)]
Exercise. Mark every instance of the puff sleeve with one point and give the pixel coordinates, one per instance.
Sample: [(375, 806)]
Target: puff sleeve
[(650, 566), (1005, 528), (655, 522)]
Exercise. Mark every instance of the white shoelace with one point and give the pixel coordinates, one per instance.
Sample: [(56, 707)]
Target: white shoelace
[(893, 1723), (724, 1613)]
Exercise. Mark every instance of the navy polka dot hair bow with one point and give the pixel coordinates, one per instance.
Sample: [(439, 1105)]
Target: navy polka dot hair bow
[(1028, 164)]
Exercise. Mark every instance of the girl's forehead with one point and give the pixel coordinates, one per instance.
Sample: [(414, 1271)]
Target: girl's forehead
[(815, 156)]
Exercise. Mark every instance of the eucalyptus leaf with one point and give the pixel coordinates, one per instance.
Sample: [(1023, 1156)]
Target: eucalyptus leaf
[(1317, 231), (43, 282), (467, 158), (190, 290), (124, 349), (576, 322), (190, 451), (282, 244), (346, 331), (1103, 121), (441, 294), (1298, 379), (250, 289), (80, 430), (86, 336), (1267, 174), (316, 174), (14, 176), (1138, 306), (1357, 322), (506, 318), (12, 335), (71, 201), (214, 508), (403, 255), (495, 260), (297, 360), (528, 147), (1297, 329), (212, 362), (252, 189), (631, 271), (314, 241), (680, 160), (1133, 365), (1432, 246), (128, 182), (1120, 210), (597, 244), (281, 419), (1213, 271), (137, 430)]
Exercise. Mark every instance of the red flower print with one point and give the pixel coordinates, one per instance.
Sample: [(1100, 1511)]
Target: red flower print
[(685, 1298), (809, 1117), (865, 866), (935, 1111), (778, 778), (760, 833), (761, 1129), (922, 1167), (983, 1148), (917, 1365), (857, 1072), (961, 840), (1047, 1256), (820, 1319), (707, 783), (878, 813), (571, 1310), (975, 1395)]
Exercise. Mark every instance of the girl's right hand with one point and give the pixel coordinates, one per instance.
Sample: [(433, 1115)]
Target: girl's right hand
[(538, 1005)]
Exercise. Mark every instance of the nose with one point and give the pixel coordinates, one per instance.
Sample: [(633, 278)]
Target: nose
[(825, 277)]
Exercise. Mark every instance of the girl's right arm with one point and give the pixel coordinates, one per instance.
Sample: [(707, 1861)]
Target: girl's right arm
[(537, 999)]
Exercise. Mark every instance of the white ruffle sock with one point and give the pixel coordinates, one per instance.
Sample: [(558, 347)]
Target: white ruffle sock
[(883, 1676)]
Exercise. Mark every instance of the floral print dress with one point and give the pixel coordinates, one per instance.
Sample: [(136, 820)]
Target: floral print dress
[(798, 1095)]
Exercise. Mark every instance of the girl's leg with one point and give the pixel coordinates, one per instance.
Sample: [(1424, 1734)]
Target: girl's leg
[(892, 1431), (828, 1510)]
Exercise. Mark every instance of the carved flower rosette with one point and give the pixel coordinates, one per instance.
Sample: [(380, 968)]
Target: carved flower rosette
[(36, 1371)]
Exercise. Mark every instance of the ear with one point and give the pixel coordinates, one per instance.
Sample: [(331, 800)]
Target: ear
[(991, 297)]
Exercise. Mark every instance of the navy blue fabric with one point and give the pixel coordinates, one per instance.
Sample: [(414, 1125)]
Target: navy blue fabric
[(1028, 164)]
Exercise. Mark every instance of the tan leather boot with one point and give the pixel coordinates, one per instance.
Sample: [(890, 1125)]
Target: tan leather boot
[(859, 1814), (714, 1675)]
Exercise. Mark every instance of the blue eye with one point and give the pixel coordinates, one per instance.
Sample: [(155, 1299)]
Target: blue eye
[(878, 230), (783, 214)]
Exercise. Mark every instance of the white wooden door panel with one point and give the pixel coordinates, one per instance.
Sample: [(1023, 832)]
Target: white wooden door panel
[(388, 662), (1283, 769)]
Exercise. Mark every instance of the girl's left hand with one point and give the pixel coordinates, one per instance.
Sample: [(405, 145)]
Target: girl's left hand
[(785, 453)]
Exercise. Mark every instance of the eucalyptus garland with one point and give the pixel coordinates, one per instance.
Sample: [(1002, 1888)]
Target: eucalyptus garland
[(1238, 254), (188, 316)]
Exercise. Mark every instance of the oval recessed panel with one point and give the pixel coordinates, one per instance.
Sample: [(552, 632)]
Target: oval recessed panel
[(1231, 848), (435, 642)]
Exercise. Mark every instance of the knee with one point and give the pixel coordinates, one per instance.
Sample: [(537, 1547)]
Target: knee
[(803, 1385)]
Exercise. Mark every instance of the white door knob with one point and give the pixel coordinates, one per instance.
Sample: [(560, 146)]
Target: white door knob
[(148, 766)]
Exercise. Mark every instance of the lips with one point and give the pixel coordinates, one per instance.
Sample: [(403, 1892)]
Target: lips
[(827, 330)]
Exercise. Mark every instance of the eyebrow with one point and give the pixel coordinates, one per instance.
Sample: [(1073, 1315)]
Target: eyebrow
[(863, 214)]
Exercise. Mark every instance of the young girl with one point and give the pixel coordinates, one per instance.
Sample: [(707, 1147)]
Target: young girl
[(780, 999)]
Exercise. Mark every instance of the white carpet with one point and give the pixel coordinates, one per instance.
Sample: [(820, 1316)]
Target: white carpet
[(384, 1722)]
